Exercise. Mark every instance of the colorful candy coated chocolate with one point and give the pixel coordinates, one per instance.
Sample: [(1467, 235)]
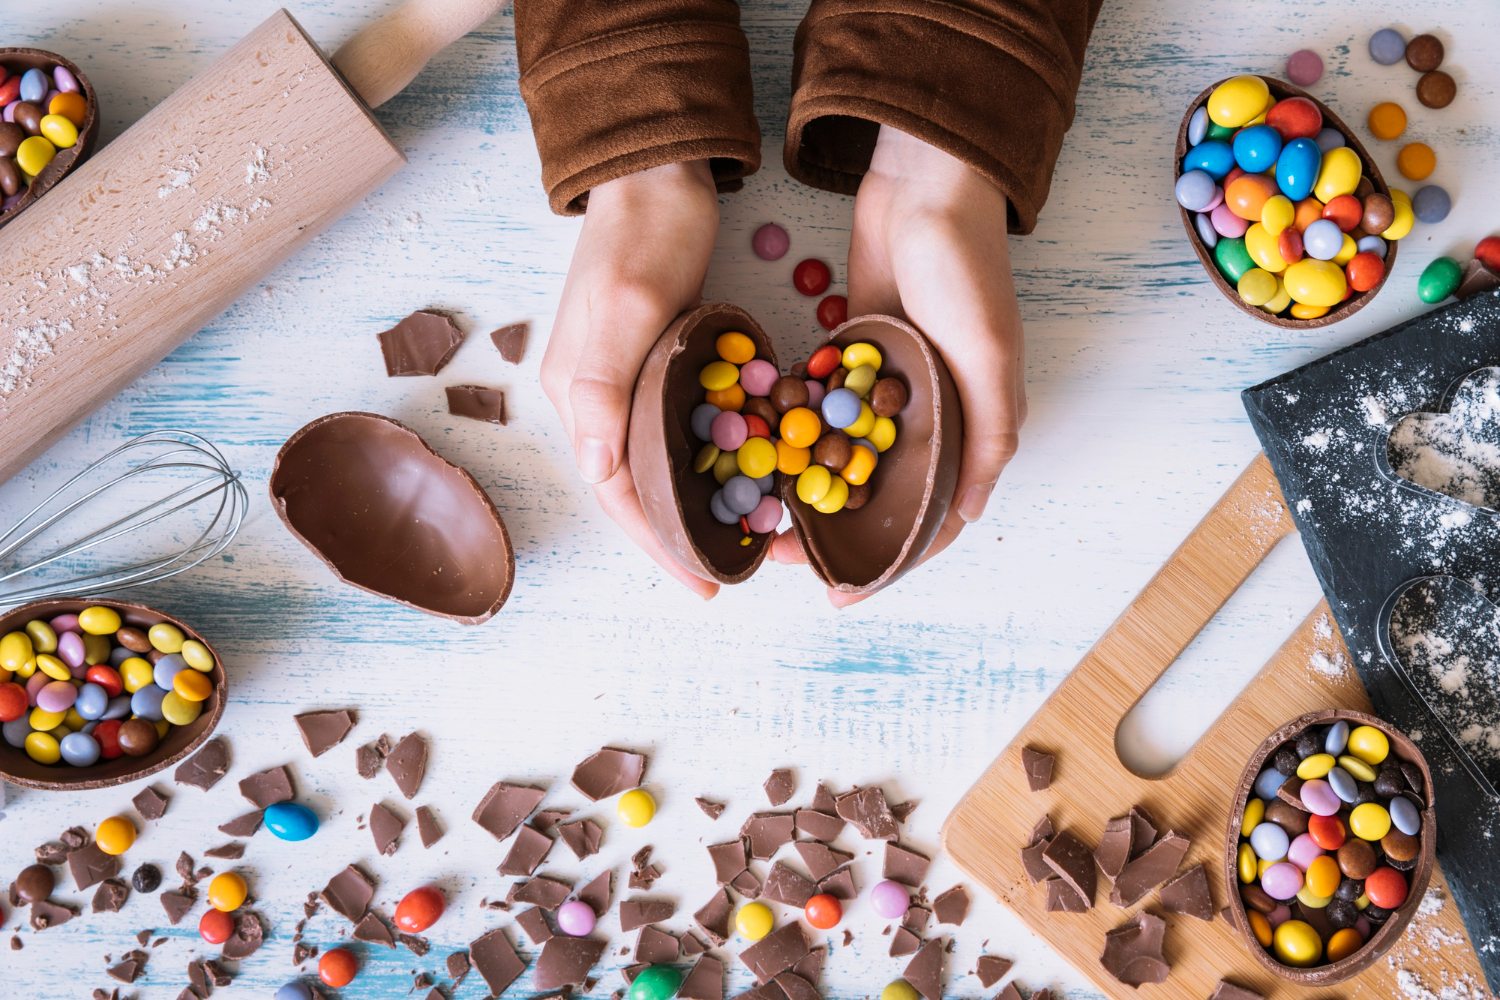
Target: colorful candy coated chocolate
[(1369, 744), (1226, 223), (1386, 887), (115, 835), (811, 277), (1256, 148), (1269, 841), (890, 900), (636, 807), (216, 926), (1237, 101), (1316, 766), (290, 821), (1304, 68), (1232, 258), (1326, 831), (338, 967), (1416, 161), (79, 749), (757, 377), (1195, 191), (576, 919), (1344, 942), (1197, 129), (420, 909), (1369, 821), (1214, 157), (1487, 252), (1247, 195), (1430, 204), (1387, 46), (1295, 118), (1341, 781), (1339, 174), (770, 242), (1405, 816), (1365, 270), (824, 911), (59, 131), (1256, 288), (1296, 943), (1316, 283), (227, 891), (1319, 797), (656, 982), (1303, 851), (99, 620), (1281, 880), (1387, 120), (1264, 249), (754, 921)]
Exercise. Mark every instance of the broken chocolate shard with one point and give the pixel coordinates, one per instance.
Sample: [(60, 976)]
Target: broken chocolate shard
[(1043, 829), (74, 837), (768, 833), (821, 860), (1476, 280), (458, 967), (151, 804), (777, 952), (1226, 990), (349, 893), (421, 344), (415, 944), (372, 930), (268, 787), (567, 961), (177, 903), (185, 866), (322, 731), (1142, 830), (1157, 864), (496, 961), (1132, 952), (385, 827), (713, 810), (243, 826), (714, 916), (811, 966), (925, 970), (656, 947), (534, 922), (510, 341), (142, 938), (1290, 792), (1062, 897), (729, 860), (765, 991), (45, 914), (704, 981), (548, 893), (218, 975), (1114, 847), (367, 761), (232, 851), (428, 827), (866, 808), (952, 906), (89, 866), (839, 885), (407, 763), (301, 952), (903, 810), (692, 946), (904, 942), (904, 866), (1042, 994), (477, 402), (1067, 856), (636, 913), (797, 988), (630, 972), (110, 896), (746, 884), (781, 786), (127, 971), (527, 852), (1189, 893), (505, 806), (596, 894), (1038, 769), (582, 837), (786, 886), (205, 768), (824, 801), (546, 819), (608, 772), (51, 854), (644, 878), (991, 969), (915, 919), (818, 825)]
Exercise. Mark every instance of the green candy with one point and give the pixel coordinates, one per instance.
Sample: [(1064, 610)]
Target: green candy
[(1217, 131), (656, 982), (1233, 259), (1439, 280)]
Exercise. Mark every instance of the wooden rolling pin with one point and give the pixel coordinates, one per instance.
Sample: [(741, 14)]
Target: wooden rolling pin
[(194, 204)]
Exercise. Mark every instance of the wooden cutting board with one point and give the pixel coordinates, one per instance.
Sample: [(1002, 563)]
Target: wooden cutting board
[(1077, 724)]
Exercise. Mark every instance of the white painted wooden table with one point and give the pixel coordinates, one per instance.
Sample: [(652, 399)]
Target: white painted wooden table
[(1134, 369)]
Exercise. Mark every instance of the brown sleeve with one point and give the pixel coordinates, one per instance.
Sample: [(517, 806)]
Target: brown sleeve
[(616, 86), (990, 81)]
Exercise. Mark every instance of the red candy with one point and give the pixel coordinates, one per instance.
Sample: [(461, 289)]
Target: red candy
[(1365, 269), (1289, 243), (1386, 887), (1326, 831), (1235, 173), (13, 701), (1488, 252), (755, 427), (10, 90), (824, 361), (1295, 118), (824, 911), (337, 967), (419, 909), (216, 926), (107, 734), (832, 311), (811, 277), (1344, 210), (106, 677)]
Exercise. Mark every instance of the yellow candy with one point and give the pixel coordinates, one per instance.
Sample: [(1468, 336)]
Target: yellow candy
[(1277, 214), (227, 892), (1400, 197), (162, 726), (1344, 943), (1260, 927), (1257, 286), (703, 461), (1362, 902), (1301, 310), (861, 464), (1369, 744), (726, 466), (861, 380), (717, 376), (883, 434), (180, 711), (813, 484), (800, 427), (736, 348), (1323, 877), (834, 500), (636, 807), (757, 457), (34, 154), (59, 131), (1263, 249), (754, 921), (861, 354), (42, 720), (43, 639), (72, 719), (732, 398), (1261, 865), (15, 650), (1316, 766), (95, 649), (1368, 821), (53, 667), (1357, 768), (1339, 174), (792, 460), (26, 669), (197, 655), (136, 673), (1308, 898), (865, 424), (43, 748), (900, 989), (1280, 300), (1401, 220), (1296, 943), (166, 638), (99, 621), (1247, 867), (1255, 813), (1316, 282), (115, 835), (1235, 103), (58, 733), (1346, 251)]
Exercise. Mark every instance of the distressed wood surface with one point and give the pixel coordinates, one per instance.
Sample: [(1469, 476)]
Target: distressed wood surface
[(918, 688)]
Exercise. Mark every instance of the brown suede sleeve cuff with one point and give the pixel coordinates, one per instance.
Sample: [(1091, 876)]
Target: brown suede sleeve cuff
[(990, 81), (637, 96)]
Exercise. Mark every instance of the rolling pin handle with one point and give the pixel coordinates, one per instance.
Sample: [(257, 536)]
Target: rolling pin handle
[(384, 57)]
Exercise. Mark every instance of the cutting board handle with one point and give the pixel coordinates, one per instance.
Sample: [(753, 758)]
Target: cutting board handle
[(384, 57)]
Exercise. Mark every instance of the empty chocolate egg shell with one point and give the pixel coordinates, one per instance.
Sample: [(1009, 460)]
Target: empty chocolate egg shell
[(389, 515), (18, 61)]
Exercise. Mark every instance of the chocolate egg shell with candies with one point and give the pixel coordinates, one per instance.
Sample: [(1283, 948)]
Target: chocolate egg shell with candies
[(17, 61)]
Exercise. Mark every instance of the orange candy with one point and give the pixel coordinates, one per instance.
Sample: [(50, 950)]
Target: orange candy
[(800, 427), (1345, 211), (216, 926), (1289, 245), (1328, 831), (1416, 161), (732, 398), (1344, 943), (824, 911), (337, 967), (1260, 927), (1309, 210), (1246, 196), (71, 106), (1323, 875), (420, 909), (1365, 269)]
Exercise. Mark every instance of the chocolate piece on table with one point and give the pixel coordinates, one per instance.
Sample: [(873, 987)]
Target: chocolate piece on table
[(1476, 280), (247, 937), (548, 893), (630, 972), (608, 772), (904, 942), (232, 851), (204, 768), (458, 967), (45, 913), (839, 885), (510, 341), (322, 731), (367, 761), (925, 971), (504, 806), (150, 803), (51, 854), (386, 826), (177, 903), (373, 930), (129, 970), (567, 961), (477, 402), (418, 946), (1062, 897), (765, 991), (991, 969), (219, 976), (729, 860), (428, 827), (1011, 993), (704, 981), (746, 884), (110, 896), (268, 787), (534, 922), (184, 867), (74, 837), (656, 947), (1038, 769), (421, 344), (407, 764), (821, 860), (89, 866), (768, 833), (903, 810), (1043, 829), (1151, 869), (198, 976), (636, 913), (952, 906), (546, 819), (818, 825), (1226, 990), (596, 894), (915, 918), (714, 917), (1189, 893), (781, 786), (527, 852), (349, 893), (777, 952), (797, 988), (496, 961), (1066, 856), (243, 826), (786, 886), (692, 946), (1114, 847), (811, 966), (1042, 994), (582, 837), (903, 865), (1132, 951), (866, 808), (1031, 860), (1142, 830), (824, 801), (713, 810)]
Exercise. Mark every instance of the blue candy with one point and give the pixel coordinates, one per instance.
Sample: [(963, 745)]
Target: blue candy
[(119, 655), (1387, 47), (166, 668), (1405, 816), (92, 701), (766, 483), (33, 86), (1297, 168), (119, 707), (741, 495), (1431, 204), (1343, 784), (1195, 190), (841, 406), (1329, 138), (1198, 126), (294, 990), (79, 749), (1206, 231), (1375, 245), (16, 731), (1213, 157), (146, 702), (1267, 782), (721, 513), (1256, 148), (703, 421), (1269, 841), (290, 821), (1323, 239), (1338, 733)]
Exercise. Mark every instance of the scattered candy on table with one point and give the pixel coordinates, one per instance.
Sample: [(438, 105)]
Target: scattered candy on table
[(811, 277), (824, 911), (655, 982), (41, 111), (420, 909), (576, 918), (337, 967), (216, 926), (636, 808), (754, 921), (290, 821), (889, 900), (1304, 67), (770, 242)]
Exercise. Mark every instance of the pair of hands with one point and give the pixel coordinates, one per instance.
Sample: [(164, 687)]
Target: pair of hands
[(928, 243)]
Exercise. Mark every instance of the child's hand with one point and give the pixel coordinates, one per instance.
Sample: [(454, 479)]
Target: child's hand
[(929, 244), (640, 260)]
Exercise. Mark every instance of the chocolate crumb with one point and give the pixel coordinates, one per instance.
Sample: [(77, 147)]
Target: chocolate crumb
[(322, 731), (527, 852), (1038, 768), (609, 771), (421, 344), (546, 819), (848, 937), (796, 988), (205, 768), (367, 761), (219, 977), (477, 402), (428, 827), (903, 810), (781, 786), (510, 341), (143, 937), (127, 971), (151, 804), (1114, 847), (713, 810), (691, 946), (1142, 830), (458, 967), (811, 966), (232, 851), (915, 919), (301, 952)]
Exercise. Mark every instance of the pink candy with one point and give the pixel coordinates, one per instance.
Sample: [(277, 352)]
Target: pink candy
[(1283, 880), (575, 918), (70, 648), (65, 623), (1226, 223), (58, 696), (1320, 798), (889, 900), (728, 430), (757, 377), (770, 242), (815, 392), (1280, 915), (765, 517), (1304, 851)]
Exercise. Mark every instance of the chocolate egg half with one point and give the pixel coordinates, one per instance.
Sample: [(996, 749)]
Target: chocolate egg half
[(864, 550), (662, 445), (19, 60), (391, 516)]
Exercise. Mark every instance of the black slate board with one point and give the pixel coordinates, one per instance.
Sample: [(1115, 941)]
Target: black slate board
[(1369, 534)]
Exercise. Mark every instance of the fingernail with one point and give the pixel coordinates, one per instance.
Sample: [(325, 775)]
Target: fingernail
[(971, 507), (595, 460)]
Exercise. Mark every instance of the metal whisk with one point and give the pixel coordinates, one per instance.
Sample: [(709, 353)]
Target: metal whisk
[(171, 478)]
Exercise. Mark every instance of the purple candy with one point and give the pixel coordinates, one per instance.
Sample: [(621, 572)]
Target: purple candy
[(1363, 926), (70, 648), (765, 517), (10, 111), (729, 431), (65, 623), (1218, 199), (889, 900), (1280, 915), (65, 80), (1227, 223), (757, 377), (815, 393), (575, 918), (57, 696), (770, 242), (1304, 851), (1283, 880), (1320, 798), (1304, 67)]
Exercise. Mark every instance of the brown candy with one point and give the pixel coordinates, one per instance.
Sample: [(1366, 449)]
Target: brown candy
[(1364, 188), (1424, 53), (833, 450), (761, 407), (28, 116), (788, 392), (35, 883), (1436, 89), (10, 175), (11, 135), (1379, 214), (133, 639), (138, 737), (1356, 858), (859, 495), (1257, 898), (1400, 846), (888, 397), (1288, 817), (836, 380)]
